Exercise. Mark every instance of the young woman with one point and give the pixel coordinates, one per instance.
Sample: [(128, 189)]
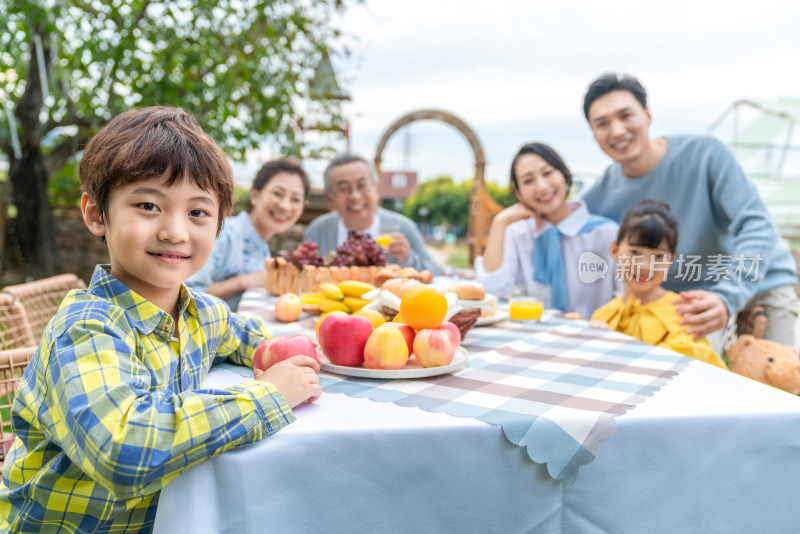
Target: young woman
[(644, 250), (554, 248), (277, 198)]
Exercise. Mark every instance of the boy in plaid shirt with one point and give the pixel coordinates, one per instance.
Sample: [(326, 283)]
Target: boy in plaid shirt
[(111, 407)]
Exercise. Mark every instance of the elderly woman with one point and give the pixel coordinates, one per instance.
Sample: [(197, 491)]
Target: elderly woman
[(277, 198)]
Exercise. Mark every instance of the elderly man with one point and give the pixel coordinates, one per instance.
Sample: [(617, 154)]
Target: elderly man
[(730, 255), (351, 190)]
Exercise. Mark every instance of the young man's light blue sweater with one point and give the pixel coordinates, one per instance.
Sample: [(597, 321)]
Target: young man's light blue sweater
[(721, 218)]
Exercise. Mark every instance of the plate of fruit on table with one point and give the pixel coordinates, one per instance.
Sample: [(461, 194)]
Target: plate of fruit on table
[(417, 343)]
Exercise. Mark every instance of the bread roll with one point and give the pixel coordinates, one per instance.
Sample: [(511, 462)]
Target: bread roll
[(468, 291)]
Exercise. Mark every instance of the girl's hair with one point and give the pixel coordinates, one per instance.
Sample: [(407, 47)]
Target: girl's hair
[(647, 224), (546, 153)]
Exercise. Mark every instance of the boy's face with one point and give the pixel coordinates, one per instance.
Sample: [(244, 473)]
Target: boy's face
[(620, 126), (157, 235)]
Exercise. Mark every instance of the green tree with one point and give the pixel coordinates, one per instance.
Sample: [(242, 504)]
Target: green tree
[(67, 67), (502, 195), (446, 201)]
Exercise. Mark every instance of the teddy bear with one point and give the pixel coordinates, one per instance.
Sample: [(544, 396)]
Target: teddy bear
[(766, 361)]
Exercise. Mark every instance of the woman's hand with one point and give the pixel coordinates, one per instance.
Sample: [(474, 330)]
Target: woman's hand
[(514, 213), (495, 244)]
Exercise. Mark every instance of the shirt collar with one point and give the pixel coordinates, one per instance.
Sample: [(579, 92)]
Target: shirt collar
[(572, 225), (374, 230), (143, 314)]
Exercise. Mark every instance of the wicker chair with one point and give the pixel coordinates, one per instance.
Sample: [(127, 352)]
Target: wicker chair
[(25, 310), (16, 349), (12, 365), (15, 331), (41, 298)]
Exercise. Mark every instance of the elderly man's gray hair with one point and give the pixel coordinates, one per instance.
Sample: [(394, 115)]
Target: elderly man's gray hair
[(344, 159)]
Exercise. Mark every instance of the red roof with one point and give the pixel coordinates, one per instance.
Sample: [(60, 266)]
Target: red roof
[(398, 184)]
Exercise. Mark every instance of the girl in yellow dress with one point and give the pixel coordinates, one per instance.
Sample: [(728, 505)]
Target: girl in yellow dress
[(644, 250)]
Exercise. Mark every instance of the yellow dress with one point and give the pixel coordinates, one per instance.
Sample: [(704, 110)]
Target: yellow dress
[(656, 323)]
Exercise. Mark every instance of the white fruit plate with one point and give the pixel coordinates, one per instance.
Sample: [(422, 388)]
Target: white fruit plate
[(412, 369), (499, 315)]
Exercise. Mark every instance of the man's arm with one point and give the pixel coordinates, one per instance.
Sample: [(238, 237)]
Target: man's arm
[(418, 256), (738, 207)]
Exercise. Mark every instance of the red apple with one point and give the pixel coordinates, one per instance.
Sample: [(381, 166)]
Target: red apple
[(343, 337), (407, 331), (434, 347), (279, 348)]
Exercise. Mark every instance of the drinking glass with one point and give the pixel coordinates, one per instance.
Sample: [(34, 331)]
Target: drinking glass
[(525, 304)]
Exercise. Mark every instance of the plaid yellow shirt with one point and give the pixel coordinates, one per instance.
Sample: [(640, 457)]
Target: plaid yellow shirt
[(111, 409)]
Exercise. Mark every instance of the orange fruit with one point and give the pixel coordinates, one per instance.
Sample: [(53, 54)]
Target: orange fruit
[(374, 316), (398, 318), (423, 307)]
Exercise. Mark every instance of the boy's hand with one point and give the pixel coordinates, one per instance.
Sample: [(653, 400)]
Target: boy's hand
[(297, 379)]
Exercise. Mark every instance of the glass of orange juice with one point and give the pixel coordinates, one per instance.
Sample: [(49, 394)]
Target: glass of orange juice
[(524, 304), (384, 240)]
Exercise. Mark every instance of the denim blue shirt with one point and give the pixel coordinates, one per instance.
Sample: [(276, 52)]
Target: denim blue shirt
[(239, 249)]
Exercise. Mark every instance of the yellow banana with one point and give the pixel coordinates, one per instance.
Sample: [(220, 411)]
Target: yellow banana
[(331, 291), (355, 303), (327, 305), (355, 288)]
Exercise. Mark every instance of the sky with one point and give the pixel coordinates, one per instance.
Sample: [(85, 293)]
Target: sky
[(516, 72)]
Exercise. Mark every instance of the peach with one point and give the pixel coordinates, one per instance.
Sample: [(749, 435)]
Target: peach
[(288, 308), (386, 348), (434, 347), (279, 348), (343, 337), (454, 330), (375, 317), (408, 334)]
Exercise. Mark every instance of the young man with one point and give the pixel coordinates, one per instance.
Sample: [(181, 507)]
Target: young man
[(352, 192), (111, 407), (730, 255)]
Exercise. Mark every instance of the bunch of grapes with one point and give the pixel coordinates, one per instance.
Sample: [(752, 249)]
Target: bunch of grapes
[(307, 253), (358, 249)]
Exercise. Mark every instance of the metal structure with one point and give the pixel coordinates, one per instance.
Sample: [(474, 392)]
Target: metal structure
[(761, 136), (481, 207)]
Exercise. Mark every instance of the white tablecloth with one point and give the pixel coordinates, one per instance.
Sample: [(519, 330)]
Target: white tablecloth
[(710, 452)]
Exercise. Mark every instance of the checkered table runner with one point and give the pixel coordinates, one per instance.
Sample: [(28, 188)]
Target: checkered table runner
[(554, 386)]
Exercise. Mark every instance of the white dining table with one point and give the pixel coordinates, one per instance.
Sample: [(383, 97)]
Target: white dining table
[(709, 452)]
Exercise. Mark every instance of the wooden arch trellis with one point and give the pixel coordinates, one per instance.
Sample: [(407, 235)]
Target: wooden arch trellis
[(481, 207)]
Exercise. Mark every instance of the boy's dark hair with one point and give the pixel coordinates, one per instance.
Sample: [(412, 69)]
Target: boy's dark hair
[(288, 165), (546, 153), (151, 142), (610, 82), (647, 224)]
